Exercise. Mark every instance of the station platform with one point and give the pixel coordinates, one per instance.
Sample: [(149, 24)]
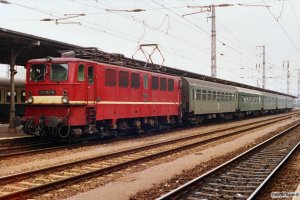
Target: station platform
[(7, 133)]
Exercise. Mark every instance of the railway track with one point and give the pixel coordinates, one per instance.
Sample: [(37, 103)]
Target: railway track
[(244, 176), (36, 181), (23, 147)]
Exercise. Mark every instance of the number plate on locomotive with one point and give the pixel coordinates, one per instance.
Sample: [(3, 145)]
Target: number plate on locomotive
[(47, 92)]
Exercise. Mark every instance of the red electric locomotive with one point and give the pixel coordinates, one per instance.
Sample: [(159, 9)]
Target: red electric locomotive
[(70, 97)]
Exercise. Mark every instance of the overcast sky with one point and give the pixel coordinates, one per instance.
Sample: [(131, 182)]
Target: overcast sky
[(185, 42)]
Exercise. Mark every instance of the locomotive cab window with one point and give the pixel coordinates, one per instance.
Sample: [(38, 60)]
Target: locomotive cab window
[(123, 78), (59, 72), (37, 72), (135, 80), (80, 74), (110, 77), (154, 82)]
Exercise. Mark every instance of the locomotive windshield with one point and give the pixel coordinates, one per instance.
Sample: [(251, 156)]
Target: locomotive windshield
[(59, 72), (37, 72)]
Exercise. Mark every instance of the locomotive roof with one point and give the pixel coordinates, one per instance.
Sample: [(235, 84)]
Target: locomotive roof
[(71, 59), (59, 59), (192, 81)]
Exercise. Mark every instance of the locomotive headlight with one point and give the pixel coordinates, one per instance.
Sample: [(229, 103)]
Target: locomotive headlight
[(65, 99), (30, 100)]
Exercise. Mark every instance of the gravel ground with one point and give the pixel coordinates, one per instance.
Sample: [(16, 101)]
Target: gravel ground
[(158, 174), (154, 169), (29, 162), (287, 180)]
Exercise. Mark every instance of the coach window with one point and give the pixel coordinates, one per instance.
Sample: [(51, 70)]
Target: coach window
[(214, 96), (145, 81), (218, 96), (170, 84), (209, 95), (226, 96), (222, 96), (110, 77), (154, 82), (23, 94), (203, 95), (91, 75), (163, 84), (135, 80), (8, 97), (80, 74), (123, 79), (198, 94)]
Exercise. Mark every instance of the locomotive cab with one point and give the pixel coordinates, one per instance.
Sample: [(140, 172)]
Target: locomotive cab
[(59, 93)]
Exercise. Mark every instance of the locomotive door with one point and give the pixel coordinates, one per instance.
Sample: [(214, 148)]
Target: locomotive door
[(91, 86), (91, 108)]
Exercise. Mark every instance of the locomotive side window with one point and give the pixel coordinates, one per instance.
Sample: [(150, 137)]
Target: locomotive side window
[(91, 75), (59, 72), (110, 77), (163, 84), (170, 85), (135, 80), (154, 82), (37, 72), (80, 74), (23, 94), (123, 79), (145, 81)]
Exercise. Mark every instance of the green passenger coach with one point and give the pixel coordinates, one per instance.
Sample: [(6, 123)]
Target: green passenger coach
[(208, 99)]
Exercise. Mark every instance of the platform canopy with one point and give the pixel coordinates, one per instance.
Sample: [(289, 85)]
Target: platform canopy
[(30, 47)]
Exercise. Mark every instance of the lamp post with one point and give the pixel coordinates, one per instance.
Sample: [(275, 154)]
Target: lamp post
[(13, 56)]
